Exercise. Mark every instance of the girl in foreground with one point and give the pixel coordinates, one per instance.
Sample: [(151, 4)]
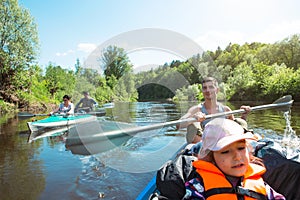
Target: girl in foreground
[(226, 169)]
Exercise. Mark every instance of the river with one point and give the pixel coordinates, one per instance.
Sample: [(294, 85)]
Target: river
[(46, 169)]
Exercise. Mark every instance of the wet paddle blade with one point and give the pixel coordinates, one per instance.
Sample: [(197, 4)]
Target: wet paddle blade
[(284, 99), (284, 103)]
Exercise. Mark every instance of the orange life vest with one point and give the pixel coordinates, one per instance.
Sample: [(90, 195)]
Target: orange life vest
[(216, 185)]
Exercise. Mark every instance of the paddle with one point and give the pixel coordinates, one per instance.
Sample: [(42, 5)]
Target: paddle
[(108, 105), (100, 111), (28, 115), (284, 103)]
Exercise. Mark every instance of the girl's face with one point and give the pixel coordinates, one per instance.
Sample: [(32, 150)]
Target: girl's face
[(233, 160)]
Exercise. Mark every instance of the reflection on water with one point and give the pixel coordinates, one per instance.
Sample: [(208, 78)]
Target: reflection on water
[(21, 172), (45, 169)]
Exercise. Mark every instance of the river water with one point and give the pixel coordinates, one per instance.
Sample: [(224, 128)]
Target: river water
[(46, 169)]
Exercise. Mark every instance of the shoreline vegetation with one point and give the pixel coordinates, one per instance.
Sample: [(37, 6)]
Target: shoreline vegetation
[(249, 72)]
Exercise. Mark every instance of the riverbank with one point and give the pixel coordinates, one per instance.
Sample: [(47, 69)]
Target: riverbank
[(10, 108)]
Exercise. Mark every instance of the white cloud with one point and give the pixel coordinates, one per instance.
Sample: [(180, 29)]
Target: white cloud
[(59, 54), (81, 47), (278, 32), (86, 47), (271, 34), (212, 39), (145, 58)]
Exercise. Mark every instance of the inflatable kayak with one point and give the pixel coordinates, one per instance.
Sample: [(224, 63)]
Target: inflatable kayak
[(283, 174)]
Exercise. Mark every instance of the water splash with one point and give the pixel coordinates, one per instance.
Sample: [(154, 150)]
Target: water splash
[(290, 140)]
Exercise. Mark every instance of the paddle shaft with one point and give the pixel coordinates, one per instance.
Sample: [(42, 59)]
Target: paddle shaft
[(255, 108), (132, 131), (56, 114), (31, 115)]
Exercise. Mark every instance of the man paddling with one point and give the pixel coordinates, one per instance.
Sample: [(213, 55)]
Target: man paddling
[(86, 104), (210, 89)]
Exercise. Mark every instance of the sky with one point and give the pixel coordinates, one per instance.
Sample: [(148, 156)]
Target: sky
[(73, 29)]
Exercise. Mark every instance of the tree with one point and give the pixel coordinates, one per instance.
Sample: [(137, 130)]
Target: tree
[(59, 81), (104, 93), (239, 85), (78, 67), (189, 93), (282, 82), (115, 62), (188, 71), (18, 47), (82, 84), (288, 52), (125, 89)]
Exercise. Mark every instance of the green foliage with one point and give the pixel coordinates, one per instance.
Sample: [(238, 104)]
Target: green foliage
[(111, 81), (86, 80), (104, 93), (115, 62), (82, 84), (6, 107), (189, 93), (91, 75), (18, 48), (187, 70), (295, 85), (125, 89), (250, 72), (162, 84), (281, 82), (171, 79), (240, 82), (38, 93), (59, 81), (246, 72), (286, 51)]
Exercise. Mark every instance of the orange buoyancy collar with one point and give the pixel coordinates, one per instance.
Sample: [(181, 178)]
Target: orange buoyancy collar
[(216, 185)]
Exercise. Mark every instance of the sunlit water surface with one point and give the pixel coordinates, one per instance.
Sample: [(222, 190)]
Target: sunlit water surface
[(45, 169)]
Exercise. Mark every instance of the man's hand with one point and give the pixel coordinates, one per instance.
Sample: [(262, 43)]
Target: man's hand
[(199, 116), (245, 114)]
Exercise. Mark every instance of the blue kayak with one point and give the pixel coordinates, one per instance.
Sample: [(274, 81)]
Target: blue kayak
[(59, 121)]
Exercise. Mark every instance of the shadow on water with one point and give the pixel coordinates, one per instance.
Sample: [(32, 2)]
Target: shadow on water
[(45, 168)]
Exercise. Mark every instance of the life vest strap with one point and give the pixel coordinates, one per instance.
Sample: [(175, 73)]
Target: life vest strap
[(237, 190)]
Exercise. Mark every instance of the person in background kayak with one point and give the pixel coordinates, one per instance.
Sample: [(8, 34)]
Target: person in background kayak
[(66, 107), (86, 104), (210, 89), (226, 169)]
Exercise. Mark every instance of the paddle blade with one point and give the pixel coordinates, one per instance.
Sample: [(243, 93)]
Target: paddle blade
[(284, 103), (109, 105), (28, 115), (284, 99), (25, 115)]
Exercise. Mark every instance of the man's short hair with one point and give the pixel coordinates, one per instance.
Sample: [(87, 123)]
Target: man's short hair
[(210, 79)]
